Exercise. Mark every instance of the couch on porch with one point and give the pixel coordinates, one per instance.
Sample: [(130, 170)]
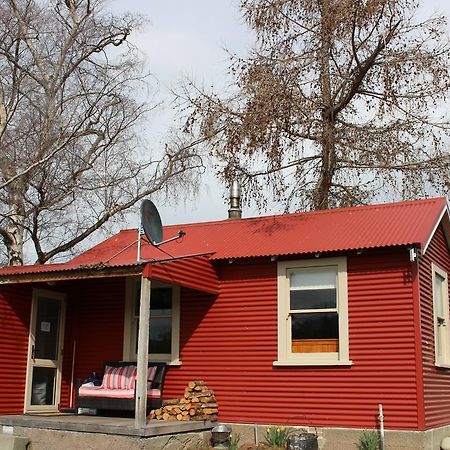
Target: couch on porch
[(118, 388)]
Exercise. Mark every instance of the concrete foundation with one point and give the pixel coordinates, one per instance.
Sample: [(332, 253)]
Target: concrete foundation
[(41, 439), (347, 438), (95, 433), (68, 432), (12, 442)]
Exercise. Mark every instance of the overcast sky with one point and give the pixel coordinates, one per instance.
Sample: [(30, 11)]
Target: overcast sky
[(187, 39)]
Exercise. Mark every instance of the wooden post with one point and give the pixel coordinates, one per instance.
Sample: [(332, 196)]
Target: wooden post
[(140, 419)]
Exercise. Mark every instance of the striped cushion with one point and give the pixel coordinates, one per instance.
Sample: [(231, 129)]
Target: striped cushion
[(117, 377), (151, 372), (99, 392)]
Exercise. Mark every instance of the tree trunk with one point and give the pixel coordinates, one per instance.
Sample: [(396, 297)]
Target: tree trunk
[(328, 142), (13, 233)]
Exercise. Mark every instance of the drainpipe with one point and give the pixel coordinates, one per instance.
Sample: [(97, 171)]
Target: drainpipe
[(381, 420)]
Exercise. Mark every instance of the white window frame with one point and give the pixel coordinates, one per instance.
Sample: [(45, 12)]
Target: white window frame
[(285, 355), (441, 335), (131, 328)]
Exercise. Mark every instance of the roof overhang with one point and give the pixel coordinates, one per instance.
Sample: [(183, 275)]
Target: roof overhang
[(194, 272), (79, 273)]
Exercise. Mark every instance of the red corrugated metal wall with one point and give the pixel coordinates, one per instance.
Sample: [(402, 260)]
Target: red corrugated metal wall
[(94, 319), (231, 343), (15, 308), (436, 380)]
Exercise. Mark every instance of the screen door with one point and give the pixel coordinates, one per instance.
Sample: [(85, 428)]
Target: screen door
[(45, 351)]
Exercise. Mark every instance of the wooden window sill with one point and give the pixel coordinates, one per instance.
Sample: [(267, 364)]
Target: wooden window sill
[(312, 363)]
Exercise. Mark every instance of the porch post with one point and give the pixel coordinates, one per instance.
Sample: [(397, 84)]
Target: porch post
[(142, 355)]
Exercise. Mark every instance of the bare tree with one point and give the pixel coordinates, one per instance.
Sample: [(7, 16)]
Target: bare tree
[(340, 102), (71, 117)]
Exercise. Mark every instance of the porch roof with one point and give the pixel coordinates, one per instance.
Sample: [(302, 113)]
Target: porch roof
[(193, 271)]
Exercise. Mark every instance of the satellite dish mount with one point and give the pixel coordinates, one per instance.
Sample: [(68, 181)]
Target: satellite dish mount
[(151, 226)]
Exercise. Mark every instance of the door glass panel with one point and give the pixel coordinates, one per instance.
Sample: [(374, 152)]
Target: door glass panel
[(47, 325), (43, 386)]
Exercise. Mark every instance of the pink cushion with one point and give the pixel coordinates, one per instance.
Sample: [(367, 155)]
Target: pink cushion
[(117, 377), (132, 379), (151, 372), (153, 393), (99, 391)]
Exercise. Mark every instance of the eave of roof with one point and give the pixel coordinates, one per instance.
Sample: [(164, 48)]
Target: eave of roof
[(65, 272)]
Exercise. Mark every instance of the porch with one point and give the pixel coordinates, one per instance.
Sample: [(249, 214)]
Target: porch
[(99, 424), (69, 431), (65, 323)]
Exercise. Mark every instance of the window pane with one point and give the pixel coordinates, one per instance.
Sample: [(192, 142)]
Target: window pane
[(316, 278), (313, 288), (315, 326), (438, 282), (160, 335), (160, 325), (315, 333), (160, 301), (313, 299)]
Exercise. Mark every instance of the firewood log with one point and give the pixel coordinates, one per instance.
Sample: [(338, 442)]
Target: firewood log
[(171, 401)]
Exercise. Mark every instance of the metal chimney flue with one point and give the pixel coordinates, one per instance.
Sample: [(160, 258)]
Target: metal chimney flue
[(235, 211)]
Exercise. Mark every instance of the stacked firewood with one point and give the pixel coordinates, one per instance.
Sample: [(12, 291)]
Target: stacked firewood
[(198, 403)]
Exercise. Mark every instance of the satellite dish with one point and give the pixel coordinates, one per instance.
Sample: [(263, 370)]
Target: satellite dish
[(151, 222)]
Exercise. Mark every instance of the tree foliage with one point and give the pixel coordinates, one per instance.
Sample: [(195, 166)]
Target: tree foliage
[(339, 103), (72, 111)]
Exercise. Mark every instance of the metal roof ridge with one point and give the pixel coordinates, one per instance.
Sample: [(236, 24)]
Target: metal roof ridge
[(405, 203)]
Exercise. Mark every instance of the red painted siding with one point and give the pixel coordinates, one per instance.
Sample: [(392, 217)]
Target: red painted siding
[(94, 319), (231, 343), (15, 306), (436, 380)]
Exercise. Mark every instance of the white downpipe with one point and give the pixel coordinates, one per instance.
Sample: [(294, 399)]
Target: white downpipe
[(139, 239), (72, 374), (381, 420)]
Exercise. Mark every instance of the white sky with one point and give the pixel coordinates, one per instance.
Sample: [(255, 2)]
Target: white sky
[(187, 38)]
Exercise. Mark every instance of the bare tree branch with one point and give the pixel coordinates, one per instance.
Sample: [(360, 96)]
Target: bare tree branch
[(72, 159), (353, 88)]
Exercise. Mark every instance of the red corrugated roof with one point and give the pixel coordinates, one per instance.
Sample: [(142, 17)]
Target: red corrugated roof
[(384, 225)]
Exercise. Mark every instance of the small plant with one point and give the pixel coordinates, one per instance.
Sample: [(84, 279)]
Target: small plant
[(234, 441), (276, 436), (368, 440)]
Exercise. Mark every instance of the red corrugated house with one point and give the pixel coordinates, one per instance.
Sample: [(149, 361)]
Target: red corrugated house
[(301, 319)]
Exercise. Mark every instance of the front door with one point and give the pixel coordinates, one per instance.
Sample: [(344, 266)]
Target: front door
[(43, 388)]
